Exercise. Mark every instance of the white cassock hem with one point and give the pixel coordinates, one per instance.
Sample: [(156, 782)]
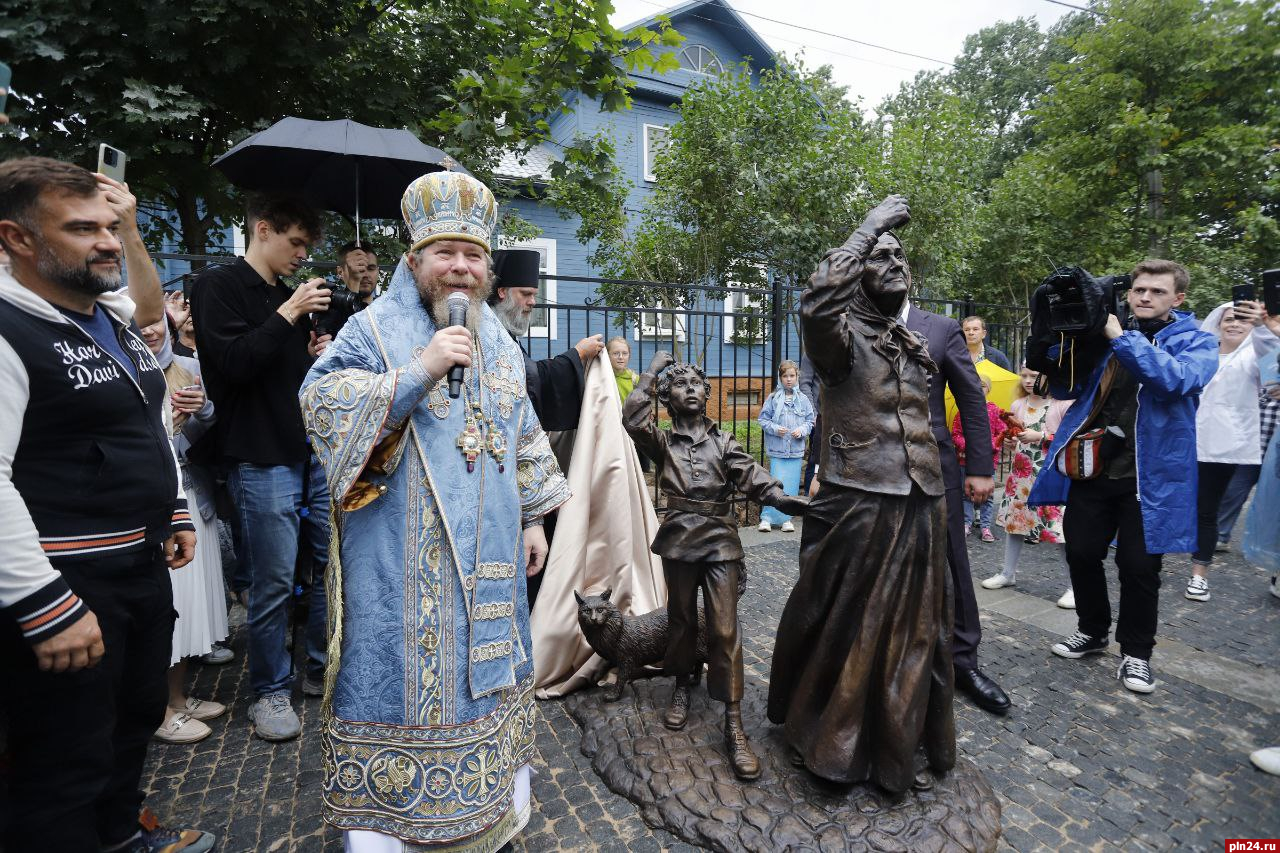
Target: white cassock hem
[(367, 841)]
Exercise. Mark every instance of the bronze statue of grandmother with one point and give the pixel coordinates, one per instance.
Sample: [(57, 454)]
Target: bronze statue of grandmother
[(861, 673)]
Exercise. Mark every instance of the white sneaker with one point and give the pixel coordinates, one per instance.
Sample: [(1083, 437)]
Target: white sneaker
[(1267, 760), (201, 709), (1068, 600), (787, 527), (999, 581), (764, 527), (1197, 588)]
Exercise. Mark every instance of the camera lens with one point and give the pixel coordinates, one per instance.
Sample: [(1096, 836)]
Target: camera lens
[(109, 157)]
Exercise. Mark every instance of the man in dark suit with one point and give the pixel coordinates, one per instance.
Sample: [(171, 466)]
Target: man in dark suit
[(948, 350)]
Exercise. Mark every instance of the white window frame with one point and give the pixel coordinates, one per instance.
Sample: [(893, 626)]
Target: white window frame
[(704, 52), (647, 160), (646, 330), (732, 307), (547, 285)]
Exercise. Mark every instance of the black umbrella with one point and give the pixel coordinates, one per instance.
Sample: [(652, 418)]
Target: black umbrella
[(343, 166)]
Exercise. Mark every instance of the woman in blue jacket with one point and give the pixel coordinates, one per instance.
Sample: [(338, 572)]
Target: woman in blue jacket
[(787, 419), (1143, 494)]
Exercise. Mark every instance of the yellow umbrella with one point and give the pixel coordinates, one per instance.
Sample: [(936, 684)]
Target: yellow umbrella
[(1003, 386)]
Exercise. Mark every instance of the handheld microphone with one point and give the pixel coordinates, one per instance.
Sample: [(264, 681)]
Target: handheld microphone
[(457, 303)]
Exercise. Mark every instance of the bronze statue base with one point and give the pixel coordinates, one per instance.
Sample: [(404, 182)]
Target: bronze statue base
[(683, 782)]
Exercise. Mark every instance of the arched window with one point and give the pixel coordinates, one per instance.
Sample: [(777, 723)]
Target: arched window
[(700, 59)]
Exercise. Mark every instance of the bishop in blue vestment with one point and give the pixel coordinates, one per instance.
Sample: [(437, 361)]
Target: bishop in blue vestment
[(429, 711)]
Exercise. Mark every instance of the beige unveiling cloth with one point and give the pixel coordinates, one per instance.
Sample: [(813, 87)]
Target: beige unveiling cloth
[(601, 540)]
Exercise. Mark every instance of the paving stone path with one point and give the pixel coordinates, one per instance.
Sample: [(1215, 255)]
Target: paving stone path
[(1080, 764)]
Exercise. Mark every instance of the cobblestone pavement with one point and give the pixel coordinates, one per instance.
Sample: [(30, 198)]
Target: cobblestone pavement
[(1080, 764)]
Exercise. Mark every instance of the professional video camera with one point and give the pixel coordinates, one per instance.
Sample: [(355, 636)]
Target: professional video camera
[(343, 305), (1068, 312)]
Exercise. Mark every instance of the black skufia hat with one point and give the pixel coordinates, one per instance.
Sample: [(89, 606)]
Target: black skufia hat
[(514, 268)]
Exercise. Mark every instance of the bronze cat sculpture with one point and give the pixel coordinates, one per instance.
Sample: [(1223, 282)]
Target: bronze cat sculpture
[(628, 642)]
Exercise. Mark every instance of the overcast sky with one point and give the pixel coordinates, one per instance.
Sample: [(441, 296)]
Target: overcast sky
[(929, 28)]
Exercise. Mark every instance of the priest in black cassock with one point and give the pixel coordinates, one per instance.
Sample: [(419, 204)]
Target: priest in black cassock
[(555, 385)]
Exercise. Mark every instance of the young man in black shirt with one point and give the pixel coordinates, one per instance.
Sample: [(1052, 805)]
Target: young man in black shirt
[(256, 343)]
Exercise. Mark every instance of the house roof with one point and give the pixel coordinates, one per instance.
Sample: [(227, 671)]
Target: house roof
[(735, 28), (536, 165)]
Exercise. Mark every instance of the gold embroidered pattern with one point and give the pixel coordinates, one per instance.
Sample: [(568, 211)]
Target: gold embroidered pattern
[(423, 693), (342, 413), (430, 784), (495, 571), (438, 401), (493, 611), (504, 388), (541, 485), (491, 651)]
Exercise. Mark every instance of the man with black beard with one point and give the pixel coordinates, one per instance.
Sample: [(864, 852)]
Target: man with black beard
[(91, 513), (555, 384)]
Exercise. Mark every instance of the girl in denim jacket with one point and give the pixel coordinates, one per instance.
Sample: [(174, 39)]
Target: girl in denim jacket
[(787, 419)]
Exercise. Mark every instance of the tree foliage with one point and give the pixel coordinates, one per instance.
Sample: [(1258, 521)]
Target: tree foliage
[(753, 178), (1157, 137), (1141, 128), (176, 82)]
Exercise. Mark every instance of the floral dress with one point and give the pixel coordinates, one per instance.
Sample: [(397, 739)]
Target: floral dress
[(1015, 516)]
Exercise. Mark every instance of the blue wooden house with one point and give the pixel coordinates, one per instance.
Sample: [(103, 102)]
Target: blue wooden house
[(716, 38)]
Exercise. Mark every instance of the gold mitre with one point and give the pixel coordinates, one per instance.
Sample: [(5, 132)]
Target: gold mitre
[(449, 206)]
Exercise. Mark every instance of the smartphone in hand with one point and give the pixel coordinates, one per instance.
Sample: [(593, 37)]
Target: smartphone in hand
[(6, 76), (111, 162), (1243, 293), (1271, 292)]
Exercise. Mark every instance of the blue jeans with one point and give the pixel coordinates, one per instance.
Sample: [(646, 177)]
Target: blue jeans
[(273, 502), (789, 472), (1233, 499), (985, 511)]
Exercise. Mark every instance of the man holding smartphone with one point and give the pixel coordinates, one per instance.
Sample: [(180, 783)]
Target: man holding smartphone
[(256, 343)]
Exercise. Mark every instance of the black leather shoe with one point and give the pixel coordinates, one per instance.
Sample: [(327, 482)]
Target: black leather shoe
[(984, 692)]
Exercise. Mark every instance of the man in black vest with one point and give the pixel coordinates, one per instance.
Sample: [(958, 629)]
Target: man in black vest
[(91, 511), (948, 349)]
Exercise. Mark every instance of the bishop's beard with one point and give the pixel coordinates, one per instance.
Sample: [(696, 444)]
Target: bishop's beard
[(435, 298)]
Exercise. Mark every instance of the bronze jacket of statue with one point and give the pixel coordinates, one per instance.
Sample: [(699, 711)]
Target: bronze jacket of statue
[(699, 478), (875, 431)]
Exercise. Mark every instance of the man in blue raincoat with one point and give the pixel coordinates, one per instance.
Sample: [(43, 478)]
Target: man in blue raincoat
[(1144, 395)]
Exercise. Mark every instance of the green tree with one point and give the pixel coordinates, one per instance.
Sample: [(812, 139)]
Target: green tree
[(1158, 138), (936, 150), (754, 178), (175, 84)]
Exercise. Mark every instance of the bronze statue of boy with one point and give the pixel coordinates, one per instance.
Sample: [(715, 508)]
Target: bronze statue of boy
[(700, 468)]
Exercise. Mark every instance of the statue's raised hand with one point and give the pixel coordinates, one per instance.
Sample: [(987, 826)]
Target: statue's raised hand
[(661, 361), (891, 213)]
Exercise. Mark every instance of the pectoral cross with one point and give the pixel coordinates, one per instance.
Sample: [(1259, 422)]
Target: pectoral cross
[(471, 443)]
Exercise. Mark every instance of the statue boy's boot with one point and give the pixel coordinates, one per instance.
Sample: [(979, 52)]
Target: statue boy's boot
[(745, 764), (678, 708)]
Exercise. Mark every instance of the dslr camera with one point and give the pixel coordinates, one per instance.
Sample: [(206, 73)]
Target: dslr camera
[(343, 305)]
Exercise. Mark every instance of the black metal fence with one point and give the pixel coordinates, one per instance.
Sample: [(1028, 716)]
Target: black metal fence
[(738, 335)]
